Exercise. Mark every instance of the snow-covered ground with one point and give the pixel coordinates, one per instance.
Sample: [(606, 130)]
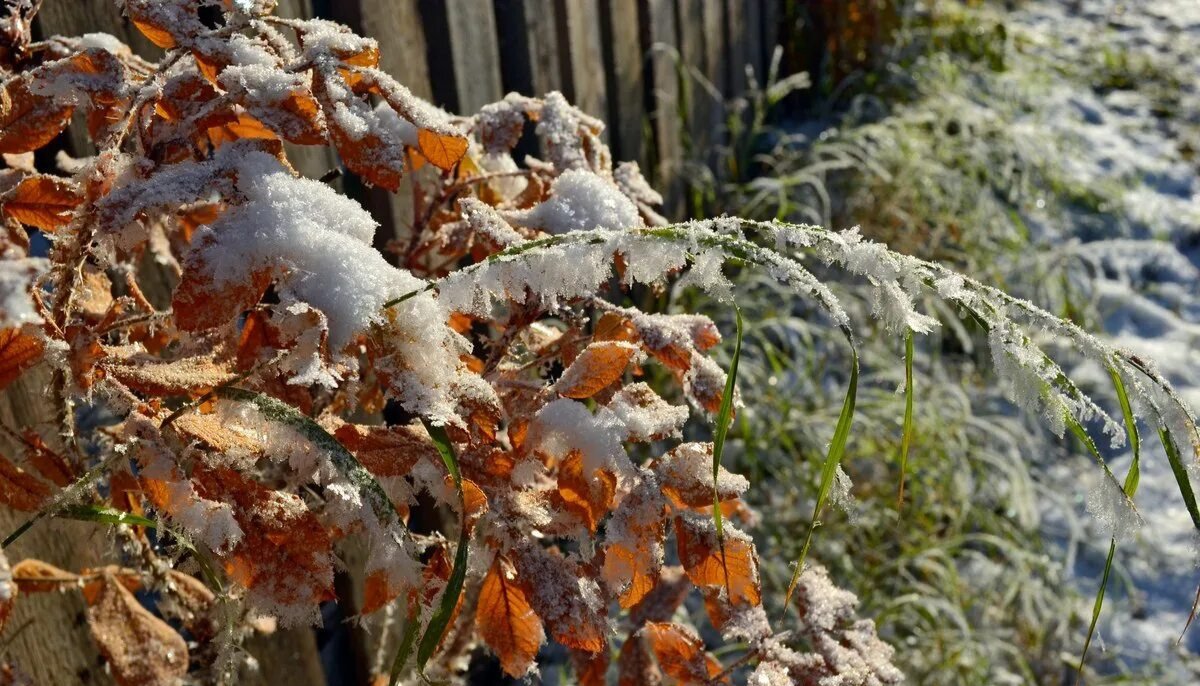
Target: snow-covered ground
[(1136, 146)]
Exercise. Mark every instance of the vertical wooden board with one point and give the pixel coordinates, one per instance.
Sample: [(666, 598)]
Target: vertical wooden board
[(528, 41), (694, 92), (397, 25), (772, 15), (713, 19), (735, 46), (471, 28), (581, 23), (662, 37), (624, 61), (77, 17), (752, 38)]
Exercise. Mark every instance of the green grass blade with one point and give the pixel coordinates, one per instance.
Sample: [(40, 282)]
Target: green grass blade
[(71, 494), (833, 458), (1131, 430), (1181, 475), (1097, 604), (454, 585), (723, 420), (906, 440), (105, 515), (408, 639), (1129, 488), (343, 460)]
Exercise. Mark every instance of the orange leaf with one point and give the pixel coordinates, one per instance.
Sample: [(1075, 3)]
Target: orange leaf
[(387, 451), (613, 327), (186, 376), (442, 150), (680, 653), (157, 35), (241, 126), (635, 666), (591, 669), (599, 365), (29, 121), (21, 490), (633, 551), (588, 495), (637, 566), (285, 555), (45, 461), (197, 306), (686, 477), (731, 565), (573, 619), (18, 352), (378, 591), (141, 649), (507, 623), (44, 201), (34, 576)]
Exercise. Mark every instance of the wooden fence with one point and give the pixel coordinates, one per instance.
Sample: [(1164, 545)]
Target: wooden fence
[(617, 59)]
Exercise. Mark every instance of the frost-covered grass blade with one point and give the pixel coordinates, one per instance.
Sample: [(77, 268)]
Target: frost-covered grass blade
[(106, 515), (906, 439), (454, 585), (833, 458), (724, 417)]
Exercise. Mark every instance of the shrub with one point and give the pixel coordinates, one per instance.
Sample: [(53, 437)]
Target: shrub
[(235, 439)]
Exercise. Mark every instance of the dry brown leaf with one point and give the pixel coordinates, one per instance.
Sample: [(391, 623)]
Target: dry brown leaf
[(186, 376), (635, 665), (590, 496), (141, 649), (507, 623), (387, 451), (441, 150), (591, 669), (284, 555), (28, 121), (18, 351), (680, 653), (34, 576), (599, 365), (685, 476), (731, 564), (43, 201), (20, 489)]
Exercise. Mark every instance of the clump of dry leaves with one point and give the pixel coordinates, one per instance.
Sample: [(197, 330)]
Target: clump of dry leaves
[(242, 444)]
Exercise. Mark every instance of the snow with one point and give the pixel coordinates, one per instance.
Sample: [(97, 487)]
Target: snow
[(16, 277), (320, 238), (581, 200)]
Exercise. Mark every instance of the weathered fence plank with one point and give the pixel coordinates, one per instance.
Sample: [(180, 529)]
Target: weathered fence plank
[(529, 44), (624, 77), (660, 37), (579, 22)]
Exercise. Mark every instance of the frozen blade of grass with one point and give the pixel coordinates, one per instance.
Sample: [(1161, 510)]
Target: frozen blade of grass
[(106, 515), (723, 420), (906, 440), (345, 462), (837, 447), (454, 585), (1097, 605), (1129, 489), (407, 640), (1131, 430), (68, 495), (1181, 475)]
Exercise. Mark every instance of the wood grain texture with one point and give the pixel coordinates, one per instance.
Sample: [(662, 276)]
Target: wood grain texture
[(662, 38), (624, 77), (580, 24), (475, 58)]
